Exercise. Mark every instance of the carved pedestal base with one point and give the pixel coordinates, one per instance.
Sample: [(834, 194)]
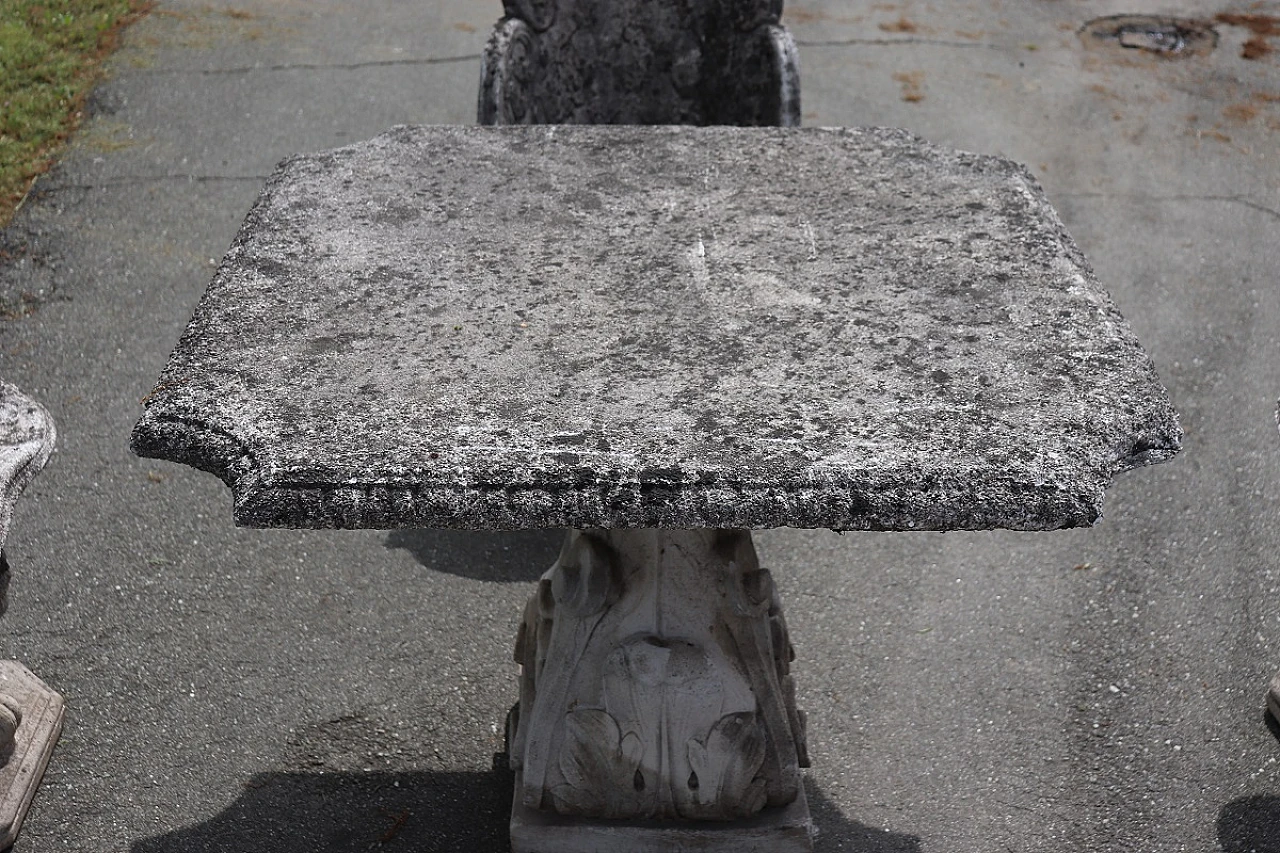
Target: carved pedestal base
[(36, 712), (776, 830), (656, 699)]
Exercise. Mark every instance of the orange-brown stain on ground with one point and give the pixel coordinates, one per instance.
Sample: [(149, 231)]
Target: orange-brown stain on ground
[(1241, 113), (802, 16), (1247, 111), (902, 25), (794, 14), (912, 85), (1099, 89), (1263, 28)]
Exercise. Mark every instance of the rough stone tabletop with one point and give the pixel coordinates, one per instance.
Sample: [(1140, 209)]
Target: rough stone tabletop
[(633, 326)]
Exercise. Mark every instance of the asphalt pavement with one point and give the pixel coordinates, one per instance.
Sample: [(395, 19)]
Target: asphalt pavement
[(245, 690)]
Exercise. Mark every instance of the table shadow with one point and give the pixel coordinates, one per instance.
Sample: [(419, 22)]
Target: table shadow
[(1250, 825), (429, 812), (1273, 725), (516, 556)]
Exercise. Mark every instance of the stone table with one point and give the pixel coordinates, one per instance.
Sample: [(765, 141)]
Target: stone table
[(658, 338)]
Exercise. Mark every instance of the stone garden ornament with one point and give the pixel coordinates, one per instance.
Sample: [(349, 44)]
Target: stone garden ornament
[(30, 713), (640, 62)]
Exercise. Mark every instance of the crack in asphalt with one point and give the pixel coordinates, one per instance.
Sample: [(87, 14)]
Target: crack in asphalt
[(875, 42), (1234, 199), (135, 180), (316, 66), (1247, 203)]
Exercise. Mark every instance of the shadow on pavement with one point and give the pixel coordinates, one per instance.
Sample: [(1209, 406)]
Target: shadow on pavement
[(1250, 825), (837, 832), (509, 557), (427, 812)]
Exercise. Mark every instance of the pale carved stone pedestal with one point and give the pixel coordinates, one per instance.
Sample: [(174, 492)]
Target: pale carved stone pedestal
[(656, 686), (32, 718)]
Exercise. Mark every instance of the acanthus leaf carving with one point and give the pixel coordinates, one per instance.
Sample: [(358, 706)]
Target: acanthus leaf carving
[(656, 681), (724, 781), (601, 767)]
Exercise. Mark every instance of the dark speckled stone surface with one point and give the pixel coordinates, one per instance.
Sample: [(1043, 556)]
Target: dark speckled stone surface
[(636, 326)]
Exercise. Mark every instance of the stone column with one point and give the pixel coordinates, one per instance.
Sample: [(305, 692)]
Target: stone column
[(656, 686)]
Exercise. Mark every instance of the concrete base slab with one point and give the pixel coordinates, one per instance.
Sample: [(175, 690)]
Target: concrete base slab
[(785, 830), (42, 711)]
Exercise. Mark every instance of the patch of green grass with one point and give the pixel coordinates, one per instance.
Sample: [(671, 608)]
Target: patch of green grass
[(50, 55)]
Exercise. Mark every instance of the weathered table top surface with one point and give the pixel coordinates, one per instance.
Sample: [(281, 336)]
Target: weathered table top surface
[(609, 327)]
